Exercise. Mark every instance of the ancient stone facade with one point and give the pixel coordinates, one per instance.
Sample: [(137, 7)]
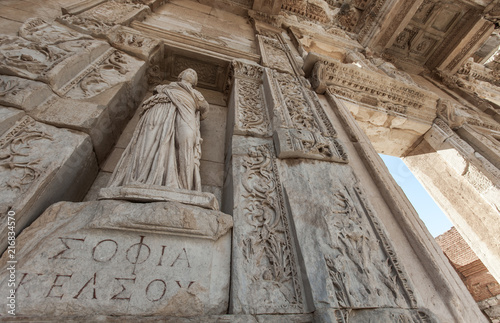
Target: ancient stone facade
[(289, 214)]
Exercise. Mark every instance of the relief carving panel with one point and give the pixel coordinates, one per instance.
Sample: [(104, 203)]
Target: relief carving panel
[(251, 116), (265, 272), (301, 126)]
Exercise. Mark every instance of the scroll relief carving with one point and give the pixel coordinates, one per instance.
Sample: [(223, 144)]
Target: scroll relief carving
[(357, 85), (28, 59), (15, 147), (359, 244), (104, 73), (250, 108), (304, 130), (270, 261)]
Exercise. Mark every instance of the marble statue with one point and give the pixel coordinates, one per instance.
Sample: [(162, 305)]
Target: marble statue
[(165, 148)]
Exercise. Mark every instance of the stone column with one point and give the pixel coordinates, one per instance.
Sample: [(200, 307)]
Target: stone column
[(465, 185)]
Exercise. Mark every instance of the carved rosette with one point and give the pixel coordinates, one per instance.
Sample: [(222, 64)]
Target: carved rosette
[(251, 116), (271, 264)]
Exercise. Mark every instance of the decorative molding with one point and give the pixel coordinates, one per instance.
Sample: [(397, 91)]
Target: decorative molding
[(371, 88)]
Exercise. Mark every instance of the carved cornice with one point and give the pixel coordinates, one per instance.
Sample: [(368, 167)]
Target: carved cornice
[(363, 86), (193, 44)]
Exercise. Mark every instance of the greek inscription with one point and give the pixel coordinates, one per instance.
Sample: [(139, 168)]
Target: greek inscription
[(154, 288), (162, 253), (182, 258), (22, 282), (119, 294), (57, 284), (62, 252), (103, 252), (134, 257), (93, 279)]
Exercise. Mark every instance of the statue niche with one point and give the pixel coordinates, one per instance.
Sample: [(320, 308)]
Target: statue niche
[(162, 160)]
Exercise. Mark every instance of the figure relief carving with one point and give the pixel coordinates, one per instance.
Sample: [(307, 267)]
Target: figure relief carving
[(15, 149), (165, 149), (358, 244), (268, 248)]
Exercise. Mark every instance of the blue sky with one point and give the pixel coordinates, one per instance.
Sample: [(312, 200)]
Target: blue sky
[(435, 220)]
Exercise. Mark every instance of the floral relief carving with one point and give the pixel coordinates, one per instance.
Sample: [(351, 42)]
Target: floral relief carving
[(299, 111), (271, 263), (15, 149), (252, 115), (100, 76), (359, 244), (274, 54)]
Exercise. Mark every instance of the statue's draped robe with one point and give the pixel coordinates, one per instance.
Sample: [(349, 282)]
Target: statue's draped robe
[(165, 148)]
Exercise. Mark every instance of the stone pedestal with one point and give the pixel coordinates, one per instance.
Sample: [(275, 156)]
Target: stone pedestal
[(121, 258)]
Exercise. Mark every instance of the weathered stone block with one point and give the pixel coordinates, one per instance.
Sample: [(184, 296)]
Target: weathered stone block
[(48, 53), (292, 143), (40, 165), (22, 93), (134, 42), (8, 117), (151, 193), (99, 101), (123, 258)]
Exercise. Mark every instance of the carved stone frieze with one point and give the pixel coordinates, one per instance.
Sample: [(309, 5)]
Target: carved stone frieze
[(13, 154), (358, 85), (114, 12), (28, 59), (53, 54), (357, 245), (267, 280), (86, 25), (110, 69), (39, 30), (302, 128), (252, 112), (349, 258)]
